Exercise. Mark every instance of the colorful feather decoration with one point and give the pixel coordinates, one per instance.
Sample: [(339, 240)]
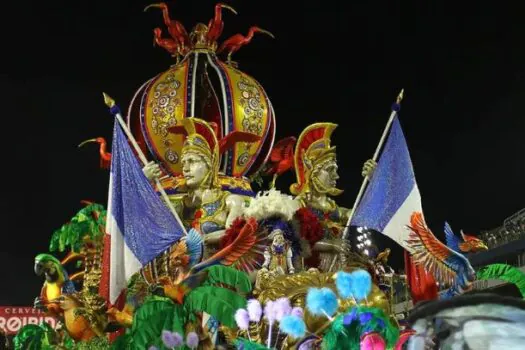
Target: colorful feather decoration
[(246, 239), (194, 244), (447, 266), (253, 258)]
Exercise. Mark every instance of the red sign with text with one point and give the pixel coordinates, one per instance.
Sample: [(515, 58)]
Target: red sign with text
[(12, 318)]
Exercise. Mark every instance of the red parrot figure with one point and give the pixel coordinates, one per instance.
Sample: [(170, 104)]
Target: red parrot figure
[(105, 157), (448, 267), (216, 25), (281, 158), (420, 276), (175, 28), (235, 42), (169, 45)]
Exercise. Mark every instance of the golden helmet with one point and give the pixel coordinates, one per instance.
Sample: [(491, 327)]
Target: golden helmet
[(312, 148)]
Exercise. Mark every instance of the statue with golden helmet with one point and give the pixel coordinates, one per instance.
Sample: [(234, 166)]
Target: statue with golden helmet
[(316, 172)]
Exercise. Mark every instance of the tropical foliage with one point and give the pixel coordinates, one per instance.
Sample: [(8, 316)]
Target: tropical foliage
[(89, 221), (220, 295), (41, 337)]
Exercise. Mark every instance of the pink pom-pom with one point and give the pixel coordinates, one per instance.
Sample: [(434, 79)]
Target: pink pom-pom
[(282, 308), (242, 319), (192, 340), (297, 311), (254, 310), (372, 341)]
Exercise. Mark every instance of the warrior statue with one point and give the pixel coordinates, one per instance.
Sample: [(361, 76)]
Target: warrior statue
[(201, 203), (316, 171)]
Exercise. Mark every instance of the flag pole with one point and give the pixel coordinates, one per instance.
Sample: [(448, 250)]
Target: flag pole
[(115, 111), (395, 109)]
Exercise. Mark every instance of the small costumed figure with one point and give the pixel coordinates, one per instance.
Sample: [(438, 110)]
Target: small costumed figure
[(384, 272), (278, 256)]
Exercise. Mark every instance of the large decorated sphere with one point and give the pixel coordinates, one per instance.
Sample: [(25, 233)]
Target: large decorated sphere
[(203, 86)]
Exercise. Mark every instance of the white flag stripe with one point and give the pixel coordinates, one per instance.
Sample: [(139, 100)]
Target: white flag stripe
[(396, 228)]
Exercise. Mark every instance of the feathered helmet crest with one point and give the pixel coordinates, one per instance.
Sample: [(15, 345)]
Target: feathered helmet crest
[(313, 150), (201, 138)]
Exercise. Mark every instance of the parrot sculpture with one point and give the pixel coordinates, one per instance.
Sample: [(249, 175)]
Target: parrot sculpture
[(469, 244), (449, 267), (57, 283)]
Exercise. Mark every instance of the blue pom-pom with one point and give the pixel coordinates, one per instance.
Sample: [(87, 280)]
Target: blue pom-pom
[(364, 318), (343, 282), (361, 284), (321, 301), (293, 326), (380, 323), (350, 317)]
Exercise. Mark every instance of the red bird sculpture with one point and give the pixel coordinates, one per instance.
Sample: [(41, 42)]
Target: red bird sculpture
[(235, 42), (281, 158), (175, 28), (216, 25), (105, 157), (169, 45)]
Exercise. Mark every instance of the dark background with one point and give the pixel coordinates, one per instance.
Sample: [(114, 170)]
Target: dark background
[(462, 65)]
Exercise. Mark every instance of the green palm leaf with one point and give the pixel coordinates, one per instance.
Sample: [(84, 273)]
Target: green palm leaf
[(231, 277), (35, 337), (221, 303), (89, 221), (505, 273), (150, 319)]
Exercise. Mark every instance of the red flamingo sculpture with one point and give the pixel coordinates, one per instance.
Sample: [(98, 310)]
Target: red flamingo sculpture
[(105, 157), (235, 42), (175, 28), (216, 25), (169, 45)]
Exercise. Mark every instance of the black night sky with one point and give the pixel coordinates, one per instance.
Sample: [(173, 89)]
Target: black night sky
[(462, 67)]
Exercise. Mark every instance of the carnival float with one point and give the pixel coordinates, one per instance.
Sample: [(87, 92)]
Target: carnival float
[(187, 255)]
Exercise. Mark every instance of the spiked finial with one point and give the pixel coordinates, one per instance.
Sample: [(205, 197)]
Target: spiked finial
[(400, 96), (108, 100)]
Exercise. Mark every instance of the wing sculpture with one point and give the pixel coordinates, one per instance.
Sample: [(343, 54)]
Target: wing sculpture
[(230, 254), (452, 240), (448, 267)]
